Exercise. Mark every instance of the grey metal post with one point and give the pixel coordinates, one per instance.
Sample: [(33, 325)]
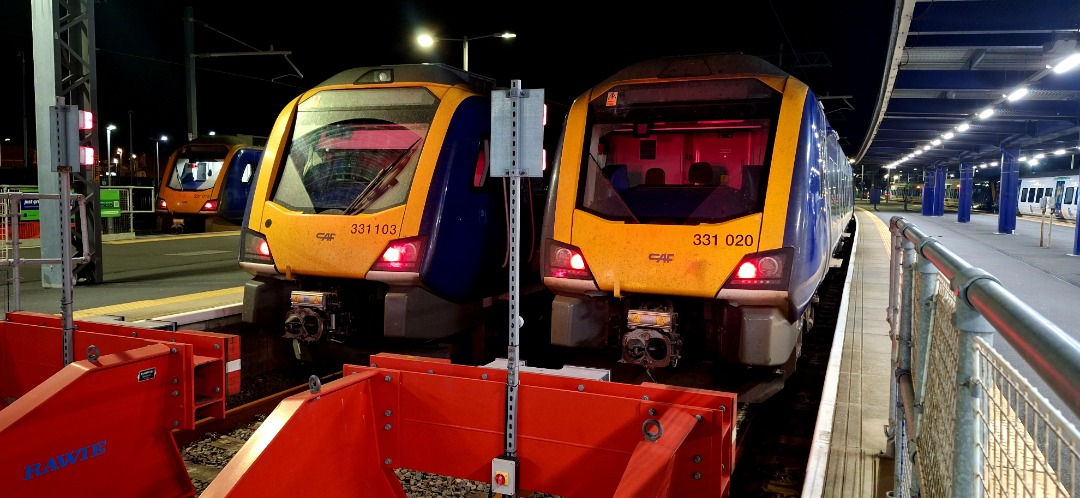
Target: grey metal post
[(14, 202), (892, 312), (901, 357), (926, 296), (970, 398), (65, 263)]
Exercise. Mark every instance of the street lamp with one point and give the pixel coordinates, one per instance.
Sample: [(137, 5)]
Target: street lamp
[(157, 158), (426, 40), (108, 146), (134, 160)]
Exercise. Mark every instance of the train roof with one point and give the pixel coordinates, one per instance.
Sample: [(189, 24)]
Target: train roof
[(424, 73), (696, 65), (230, 140)]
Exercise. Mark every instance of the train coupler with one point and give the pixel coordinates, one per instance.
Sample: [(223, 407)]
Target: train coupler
[(312, 315), (651, 339)]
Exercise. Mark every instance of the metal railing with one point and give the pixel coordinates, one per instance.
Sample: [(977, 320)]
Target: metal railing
[(966, 423), (133, 200), (11, 201)]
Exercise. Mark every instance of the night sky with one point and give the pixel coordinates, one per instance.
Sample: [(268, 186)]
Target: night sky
[(141, 75)]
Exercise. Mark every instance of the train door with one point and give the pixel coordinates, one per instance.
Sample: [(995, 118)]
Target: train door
[(1068, 203), (1059, 191)]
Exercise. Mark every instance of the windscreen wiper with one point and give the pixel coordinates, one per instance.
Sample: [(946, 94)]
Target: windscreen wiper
[(361, 200)]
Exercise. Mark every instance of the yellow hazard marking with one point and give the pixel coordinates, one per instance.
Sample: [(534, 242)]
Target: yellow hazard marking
[(116, 309)]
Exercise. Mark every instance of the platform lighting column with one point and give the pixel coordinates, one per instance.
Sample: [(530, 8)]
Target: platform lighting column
[(26, 147), (157, 159), (426, 40), (108, 157), (131, 145)]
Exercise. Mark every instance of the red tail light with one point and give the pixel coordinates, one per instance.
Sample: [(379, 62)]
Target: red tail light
[(763, 270), (161, 204), (210, 205), (402, 255), (565, 261), (262, 248), (254, 248)]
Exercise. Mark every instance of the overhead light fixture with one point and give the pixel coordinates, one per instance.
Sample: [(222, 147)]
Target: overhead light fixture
[(985, 113), (963, 127), (1017, 94), (1059, 152), (948, 135), (1067, 64), (936, 142)]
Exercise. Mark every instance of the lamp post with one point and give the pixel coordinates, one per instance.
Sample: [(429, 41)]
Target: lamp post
[(157, 159), (426, 40), (108, 146)]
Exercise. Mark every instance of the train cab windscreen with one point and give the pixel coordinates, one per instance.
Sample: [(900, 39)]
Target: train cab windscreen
[(197, 167), (354, 151), (679, 153)]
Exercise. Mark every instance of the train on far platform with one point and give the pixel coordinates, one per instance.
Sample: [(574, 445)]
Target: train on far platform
[(696, 207), (373, 211), (206, 183), (1056, 193)]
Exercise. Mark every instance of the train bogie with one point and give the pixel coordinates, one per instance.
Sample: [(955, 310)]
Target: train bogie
[(696, 206)]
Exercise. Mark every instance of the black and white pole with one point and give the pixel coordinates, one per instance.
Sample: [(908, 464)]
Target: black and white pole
[(516, 151)]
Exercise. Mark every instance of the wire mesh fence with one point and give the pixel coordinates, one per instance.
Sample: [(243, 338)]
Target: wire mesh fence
[(980, 428)]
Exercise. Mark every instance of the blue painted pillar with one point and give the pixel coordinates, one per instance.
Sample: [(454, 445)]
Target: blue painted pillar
[(929, 196), (939, 191), (1010, 183), (1076, 239), (967, 177)]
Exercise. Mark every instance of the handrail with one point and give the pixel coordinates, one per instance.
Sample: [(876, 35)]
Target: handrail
[(1049, 350)]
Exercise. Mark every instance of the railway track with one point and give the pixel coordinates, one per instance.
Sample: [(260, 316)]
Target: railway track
[(774, 453)]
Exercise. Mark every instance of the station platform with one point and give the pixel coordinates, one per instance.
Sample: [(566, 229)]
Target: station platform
[(852, 455)]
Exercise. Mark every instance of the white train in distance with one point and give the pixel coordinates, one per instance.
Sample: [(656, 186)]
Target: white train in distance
[(1045, 192)]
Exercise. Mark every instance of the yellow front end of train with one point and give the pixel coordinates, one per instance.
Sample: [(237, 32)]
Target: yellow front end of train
[(361, 190), (693, 214)]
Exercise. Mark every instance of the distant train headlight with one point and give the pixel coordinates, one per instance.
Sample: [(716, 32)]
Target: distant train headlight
[(254, 248), (402, 255), (767, 270), (565, 261)]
